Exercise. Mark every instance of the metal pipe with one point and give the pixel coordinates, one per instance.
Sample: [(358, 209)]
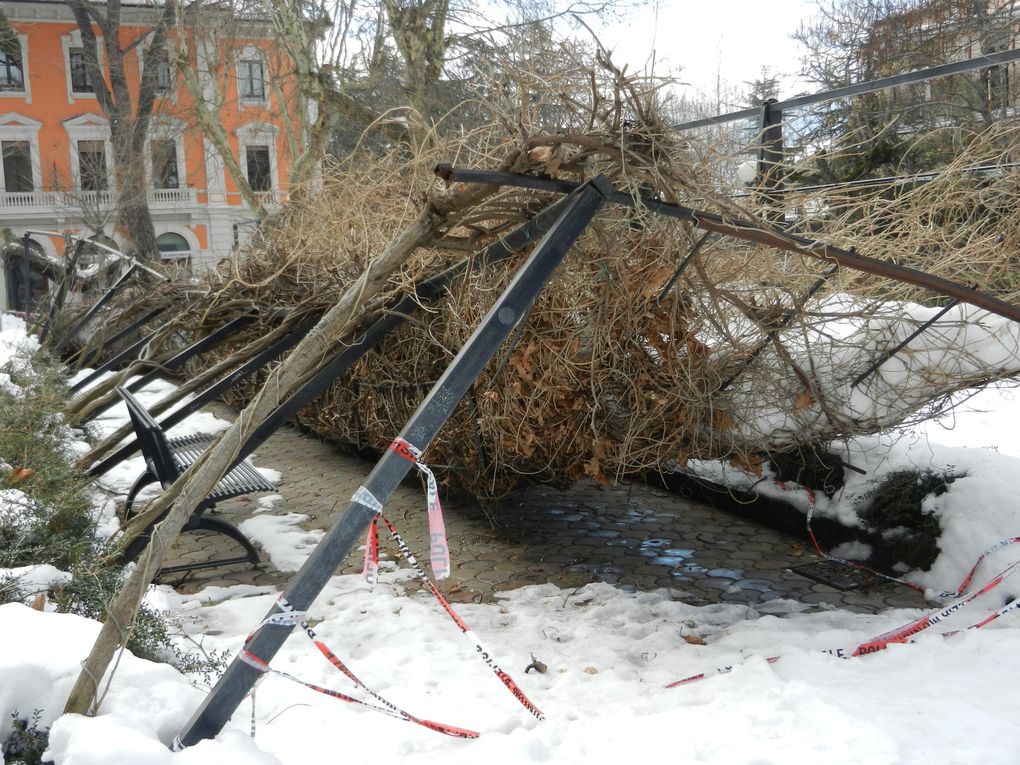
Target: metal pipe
[(755, 232), (871, 86)]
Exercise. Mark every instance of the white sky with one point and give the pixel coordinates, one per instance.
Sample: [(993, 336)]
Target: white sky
[(731, 38)]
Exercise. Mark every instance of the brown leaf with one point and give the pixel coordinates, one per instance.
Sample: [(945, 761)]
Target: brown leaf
[(752, 463), (693, 640), (591, 670), (697, 349), (39, 602), (20, 474), (803, 400), (722, 421), (541, 153)]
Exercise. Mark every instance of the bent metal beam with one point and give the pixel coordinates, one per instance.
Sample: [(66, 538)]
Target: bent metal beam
[(752, 232)]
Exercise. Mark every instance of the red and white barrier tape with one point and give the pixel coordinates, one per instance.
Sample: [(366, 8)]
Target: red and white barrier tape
[(945, 594), (439, 550), (907, 632), (483, 653), (289, 616)]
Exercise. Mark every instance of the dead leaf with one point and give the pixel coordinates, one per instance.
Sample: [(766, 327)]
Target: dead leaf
[(722, 421), (541, 153), (803, 400), (39, 602), (20, 474), (752, 463), (536, 665), (697, 349), (591, 670), (693, 640)]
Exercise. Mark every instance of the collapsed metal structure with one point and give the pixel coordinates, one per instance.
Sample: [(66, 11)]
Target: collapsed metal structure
[(559, 227)]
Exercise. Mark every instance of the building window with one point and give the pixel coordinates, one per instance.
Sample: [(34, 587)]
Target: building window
[(251, 81), (164, 164), (17, 158), (257, 163), (164, 74), (80, 80), (12, 73), (92, 166), (170, 243)]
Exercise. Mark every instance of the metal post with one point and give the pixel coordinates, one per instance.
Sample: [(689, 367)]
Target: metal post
[(424, 424), (395, 315), (93, 310), (26, 277), (770, 159), (211, 340), (128, 353), (80, 360), (244, 370)]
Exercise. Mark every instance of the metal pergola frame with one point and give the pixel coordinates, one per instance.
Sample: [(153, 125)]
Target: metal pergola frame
[(575, 214), (572, 215)]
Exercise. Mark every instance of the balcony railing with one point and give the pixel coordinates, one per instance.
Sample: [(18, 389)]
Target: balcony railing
[(172, 197), (90, 200)]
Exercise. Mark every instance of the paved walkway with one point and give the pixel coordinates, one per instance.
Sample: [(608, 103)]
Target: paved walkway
[(631, 536)]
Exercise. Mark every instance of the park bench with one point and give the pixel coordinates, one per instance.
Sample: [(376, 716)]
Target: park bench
[(166, 459)]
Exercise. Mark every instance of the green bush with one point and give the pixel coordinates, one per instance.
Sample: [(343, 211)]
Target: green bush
[(895, 510), (27, 742), (152, 633), (46, 515)]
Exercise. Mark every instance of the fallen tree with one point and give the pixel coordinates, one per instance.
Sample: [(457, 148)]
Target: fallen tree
[(652, 345)]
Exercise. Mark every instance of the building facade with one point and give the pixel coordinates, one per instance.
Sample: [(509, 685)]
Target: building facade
[(57, 173)]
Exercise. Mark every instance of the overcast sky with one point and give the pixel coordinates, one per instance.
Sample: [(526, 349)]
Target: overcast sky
[(733, 38)]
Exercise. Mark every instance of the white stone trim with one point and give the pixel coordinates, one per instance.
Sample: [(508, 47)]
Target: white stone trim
[(258, 134), (181, 230), (73, 40), (17, 127), (167, 128), (252, 53), (140, 52), (88, 127), (25, 93)]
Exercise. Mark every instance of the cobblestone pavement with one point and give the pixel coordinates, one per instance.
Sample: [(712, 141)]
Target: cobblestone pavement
[(631, 536)]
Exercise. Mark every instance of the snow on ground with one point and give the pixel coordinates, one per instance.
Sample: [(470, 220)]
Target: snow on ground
[(609, 655)]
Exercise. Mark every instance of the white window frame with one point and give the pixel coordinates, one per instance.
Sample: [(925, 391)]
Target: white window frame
[(184, 232), (15, 127), (167, 129), (251, 53), (26, 85), (73, 40), (89, 127), (259, 134)]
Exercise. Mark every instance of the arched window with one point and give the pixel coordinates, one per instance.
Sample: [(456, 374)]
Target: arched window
[(170, 242)]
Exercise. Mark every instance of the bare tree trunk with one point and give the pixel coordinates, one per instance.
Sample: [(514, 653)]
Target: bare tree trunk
[(419, 29), (181, 499), (129, 122)]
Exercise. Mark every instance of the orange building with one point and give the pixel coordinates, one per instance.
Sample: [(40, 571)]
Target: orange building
[(57, 170)]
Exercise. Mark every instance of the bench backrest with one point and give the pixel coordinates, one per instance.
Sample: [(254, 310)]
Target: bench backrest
[(151, 439)]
